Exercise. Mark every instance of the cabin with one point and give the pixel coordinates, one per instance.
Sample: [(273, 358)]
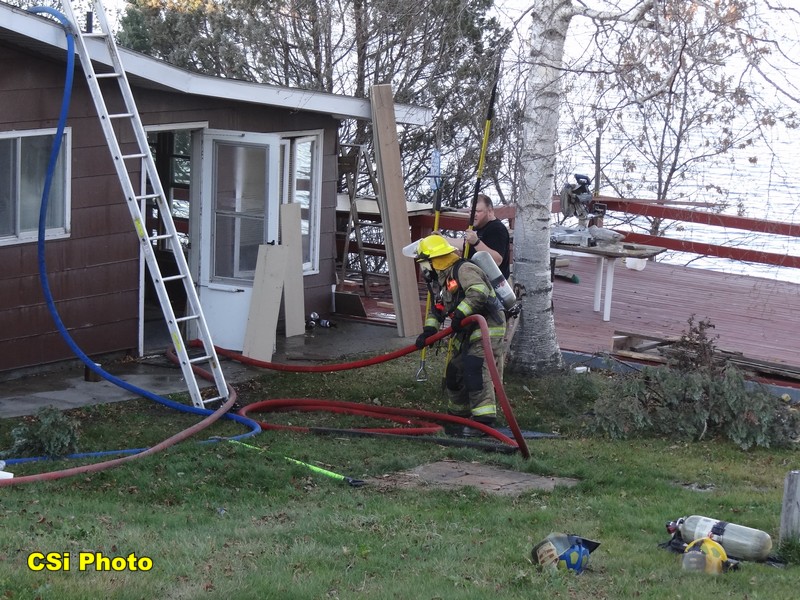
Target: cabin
[(207, 134)]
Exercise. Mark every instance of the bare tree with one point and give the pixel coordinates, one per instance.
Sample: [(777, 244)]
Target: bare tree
[(439, 54), (658, 67)]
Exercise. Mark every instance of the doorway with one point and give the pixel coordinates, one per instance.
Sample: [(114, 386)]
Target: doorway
[(224, 189), (171, 147)]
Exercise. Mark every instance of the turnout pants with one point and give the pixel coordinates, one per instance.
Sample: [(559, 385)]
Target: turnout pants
[(470, 390)]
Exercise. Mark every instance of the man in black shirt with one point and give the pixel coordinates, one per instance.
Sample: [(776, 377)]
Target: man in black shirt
[(489, 235)]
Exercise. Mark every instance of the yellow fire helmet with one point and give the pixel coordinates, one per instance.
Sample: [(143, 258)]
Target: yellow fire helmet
[(706, 555), (433, 246)]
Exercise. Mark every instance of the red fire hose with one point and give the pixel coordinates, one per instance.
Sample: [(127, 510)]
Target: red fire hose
[(419, 418)]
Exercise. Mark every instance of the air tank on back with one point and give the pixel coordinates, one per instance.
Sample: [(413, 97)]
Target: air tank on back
[(501, 287)]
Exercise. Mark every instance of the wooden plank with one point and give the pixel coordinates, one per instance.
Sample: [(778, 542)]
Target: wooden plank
[(656, 336), (641, 356), (293, 294), (392, 203), (703, 217), (638, 343), (651, 345), (262, 320), (765, 368), (732, 252)]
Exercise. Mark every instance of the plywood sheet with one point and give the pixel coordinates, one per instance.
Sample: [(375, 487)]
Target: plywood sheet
[(262, 320), (293, 294)]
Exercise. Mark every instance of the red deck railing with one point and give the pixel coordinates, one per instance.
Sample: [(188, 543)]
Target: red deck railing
[(422, 224), (650, 209)]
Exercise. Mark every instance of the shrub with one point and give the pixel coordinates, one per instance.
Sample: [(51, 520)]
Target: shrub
[(689, 406), (695, 395), (49, 433), (696, 349)]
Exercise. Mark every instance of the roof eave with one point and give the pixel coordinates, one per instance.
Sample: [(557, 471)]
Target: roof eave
[(20, 23)]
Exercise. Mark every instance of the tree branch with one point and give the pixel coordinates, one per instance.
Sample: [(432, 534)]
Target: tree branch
[(635, 14)]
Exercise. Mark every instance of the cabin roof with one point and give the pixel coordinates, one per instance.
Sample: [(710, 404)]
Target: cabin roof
[(44, 36)]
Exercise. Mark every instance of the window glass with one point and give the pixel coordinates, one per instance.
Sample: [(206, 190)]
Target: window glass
[(24, 161), (303, 187), (181, 159), (240, 191), (8, 211), (35, 152), (304, 169)]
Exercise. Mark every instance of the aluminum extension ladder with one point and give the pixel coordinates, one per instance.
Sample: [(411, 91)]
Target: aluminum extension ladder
[(353, 159), (207, 358)]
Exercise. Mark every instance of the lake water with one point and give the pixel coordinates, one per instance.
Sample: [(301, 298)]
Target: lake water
[(766, 189)]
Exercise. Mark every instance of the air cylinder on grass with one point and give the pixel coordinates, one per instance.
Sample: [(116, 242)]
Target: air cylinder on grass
[(744, 543)]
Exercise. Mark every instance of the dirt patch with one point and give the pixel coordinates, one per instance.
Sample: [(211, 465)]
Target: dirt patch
[(455, 474), (697, 487)]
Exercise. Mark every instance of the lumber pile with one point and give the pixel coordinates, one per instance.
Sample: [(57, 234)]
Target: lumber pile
[(656, 348)]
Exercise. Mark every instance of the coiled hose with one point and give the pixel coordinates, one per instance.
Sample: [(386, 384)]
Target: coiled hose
[(379, 412)]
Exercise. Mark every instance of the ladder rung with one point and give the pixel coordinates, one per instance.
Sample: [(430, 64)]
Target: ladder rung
[(210, 400), (199, 359), (172, 278), (188, 318), (162, 236), (130, 156), (94, 34), (148, 196), (107, 75), (121, 116)]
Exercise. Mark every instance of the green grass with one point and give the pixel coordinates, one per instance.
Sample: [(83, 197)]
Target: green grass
[(224, 521)]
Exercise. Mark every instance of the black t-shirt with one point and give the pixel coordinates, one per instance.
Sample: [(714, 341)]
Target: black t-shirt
[(495, 235)]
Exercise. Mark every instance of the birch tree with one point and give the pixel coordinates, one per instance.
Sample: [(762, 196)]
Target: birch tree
[(627, 35)]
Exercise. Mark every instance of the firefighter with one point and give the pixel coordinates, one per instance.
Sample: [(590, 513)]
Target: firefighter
[(461, 289)]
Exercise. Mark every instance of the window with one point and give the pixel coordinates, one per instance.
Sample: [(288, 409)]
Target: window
[(24, 157), (303, 186), (241, 184)]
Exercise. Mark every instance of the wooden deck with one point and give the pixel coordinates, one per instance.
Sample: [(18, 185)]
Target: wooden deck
[(754, 316)]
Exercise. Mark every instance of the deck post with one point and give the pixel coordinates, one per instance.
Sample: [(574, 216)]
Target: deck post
[(790, 511)]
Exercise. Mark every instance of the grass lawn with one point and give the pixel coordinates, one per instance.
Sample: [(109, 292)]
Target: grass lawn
[(221, 521)]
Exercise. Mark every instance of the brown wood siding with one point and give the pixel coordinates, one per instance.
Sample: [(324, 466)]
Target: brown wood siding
[(94, 273), (50, 347), (318, 287)]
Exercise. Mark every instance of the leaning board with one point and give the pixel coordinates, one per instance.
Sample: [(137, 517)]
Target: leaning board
[(262, 320), (293, 295)]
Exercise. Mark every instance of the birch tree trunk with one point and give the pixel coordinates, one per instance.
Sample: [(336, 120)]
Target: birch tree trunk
[(535, 347)]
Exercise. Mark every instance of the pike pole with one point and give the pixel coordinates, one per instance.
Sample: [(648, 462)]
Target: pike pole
[(482, 159), (436, 181), (487, 127)]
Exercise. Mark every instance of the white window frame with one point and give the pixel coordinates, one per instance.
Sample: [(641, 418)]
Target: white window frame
[(288, 187), (25, 237)]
